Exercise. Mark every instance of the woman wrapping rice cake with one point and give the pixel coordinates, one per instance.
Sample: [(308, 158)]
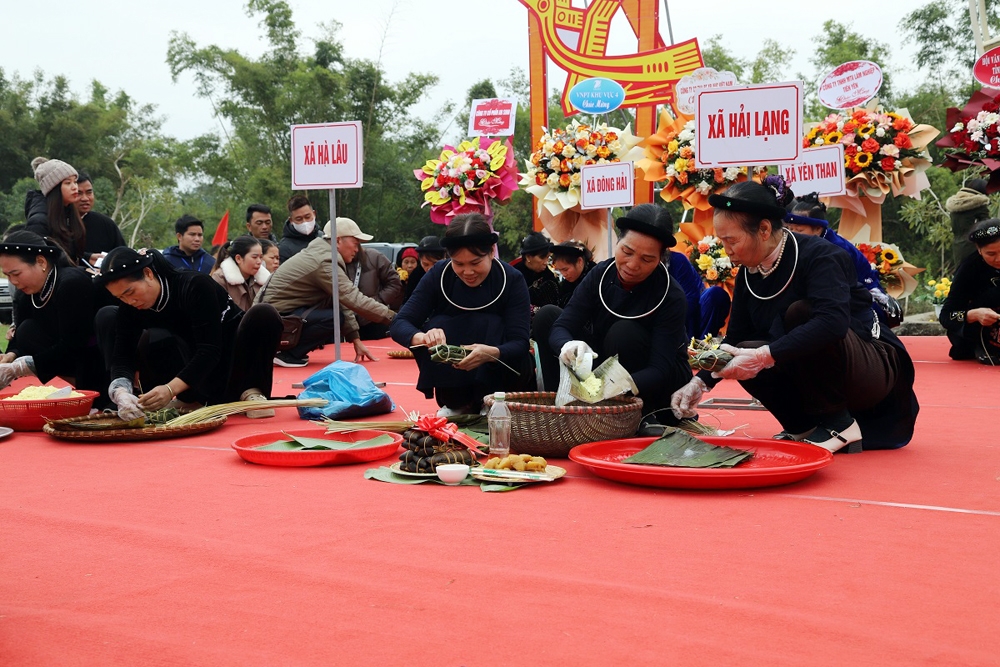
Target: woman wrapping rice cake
[(804, 338), (971, 312), (184, 335), (53, 311), (473, 301)]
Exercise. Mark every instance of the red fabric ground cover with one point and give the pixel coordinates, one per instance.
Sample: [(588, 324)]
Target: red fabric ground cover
[(178, 553)]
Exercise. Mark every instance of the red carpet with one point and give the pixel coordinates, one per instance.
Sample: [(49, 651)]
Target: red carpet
[(178, 553)]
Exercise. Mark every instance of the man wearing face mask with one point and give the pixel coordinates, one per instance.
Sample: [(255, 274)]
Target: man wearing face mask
[(300, 228)]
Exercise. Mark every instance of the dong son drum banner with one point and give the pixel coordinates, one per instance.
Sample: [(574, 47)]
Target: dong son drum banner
[(820, 170), (327, 156), (749, 126)]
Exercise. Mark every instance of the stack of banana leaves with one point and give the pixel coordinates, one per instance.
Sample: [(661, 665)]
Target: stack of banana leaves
[(678, 449)]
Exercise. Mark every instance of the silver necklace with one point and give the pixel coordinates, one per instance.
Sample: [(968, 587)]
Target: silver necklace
[(48, 289), (600, 293), (746, 277), (164, 297), (448, 298)]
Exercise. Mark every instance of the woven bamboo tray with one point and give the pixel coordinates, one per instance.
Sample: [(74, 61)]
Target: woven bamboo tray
[(127, 434), (540, 428)]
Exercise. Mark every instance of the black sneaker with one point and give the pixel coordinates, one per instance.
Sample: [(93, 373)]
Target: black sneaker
[(288, 361)]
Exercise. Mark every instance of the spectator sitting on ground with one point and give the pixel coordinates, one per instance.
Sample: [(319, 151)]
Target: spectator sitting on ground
[(372, 273), (259, 222), (188, 253), (269, 250), (429, 252), (102, 234), (303, 286), (300, 228), (241, 270)]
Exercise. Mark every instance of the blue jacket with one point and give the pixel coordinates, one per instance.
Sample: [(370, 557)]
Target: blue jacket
[(201, 261)]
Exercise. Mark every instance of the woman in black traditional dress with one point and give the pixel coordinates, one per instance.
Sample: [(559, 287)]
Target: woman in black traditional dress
[(805, 340), (543, 286), (53, 313), (971, 312), (184, 334), (627, 306), (573, 260), (474, 301)]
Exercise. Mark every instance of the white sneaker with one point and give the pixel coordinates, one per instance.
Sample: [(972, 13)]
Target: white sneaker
[(832, 440)]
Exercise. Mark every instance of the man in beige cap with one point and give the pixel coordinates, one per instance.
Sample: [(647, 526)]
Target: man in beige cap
[(303, 286), (371, 272)]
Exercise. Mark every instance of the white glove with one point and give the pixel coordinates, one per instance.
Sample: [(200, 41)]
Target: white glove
[(128, 404), (684, 401), (746, 363), (574, 351), (16, 369)]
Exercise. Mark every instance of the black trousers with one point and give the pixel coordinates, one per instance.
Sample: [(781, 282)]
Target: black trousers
[(85, 370), (161, 355), (851, 375)]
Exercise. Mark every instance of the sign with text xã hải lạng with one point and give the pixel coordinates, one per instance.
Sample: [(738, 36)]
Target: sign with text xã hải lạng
[(749, 126), (327, 156)]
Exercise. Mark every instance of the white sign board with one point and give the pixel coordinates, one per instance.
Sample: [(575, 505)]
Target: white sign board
[(607, 185), (850, 85), (756, 125), (819, 170), (327, 156), (703, 78), (492, 117)]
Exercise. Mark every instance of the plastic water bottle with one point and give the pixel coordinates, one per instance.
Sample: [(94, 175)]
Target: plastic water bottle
[(499, 420)]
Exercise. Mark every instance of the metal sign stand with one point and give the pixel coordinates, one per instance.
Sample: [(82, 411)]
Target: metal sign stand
[(336, 292)]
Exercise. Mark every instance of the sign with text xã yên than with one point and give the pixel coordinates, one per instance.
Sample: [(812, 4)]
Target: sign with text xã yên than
[(819, 170), (492, 117), (749, 126), (607, 185), (327, 156)]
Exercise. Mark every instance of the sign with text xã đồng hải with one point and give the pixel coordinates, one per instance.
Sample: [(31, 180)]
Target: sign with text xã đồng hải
[(749, 126), (819, 170), (607, 185), (327, 156)]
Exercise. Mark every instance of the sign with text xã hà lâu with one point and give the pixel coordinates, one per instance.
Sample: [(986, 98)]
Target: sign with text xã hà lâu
[(492, 117), (819, 170), (607, 185), (327, 156), (748, 126)]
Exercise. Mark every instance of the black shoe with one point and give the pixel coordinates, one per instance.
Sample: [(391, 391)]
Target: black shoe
[(288, 361), (650, 427)]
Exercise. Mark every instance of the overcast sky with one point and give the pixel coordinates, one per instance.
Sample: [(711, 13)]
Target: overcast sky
[(123, 43)]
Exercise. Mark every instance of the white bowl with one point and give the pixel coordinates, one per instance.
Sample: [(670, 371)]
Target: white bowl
[(452, 474)]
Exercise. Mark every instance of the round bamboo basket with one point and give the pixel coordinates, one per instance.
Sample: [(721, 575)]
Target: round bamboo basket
[(540, 428)]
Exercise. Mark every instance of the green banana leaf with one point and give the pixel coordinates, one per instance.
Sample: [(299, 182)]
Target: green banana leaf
[(298, 443), (678, 449)]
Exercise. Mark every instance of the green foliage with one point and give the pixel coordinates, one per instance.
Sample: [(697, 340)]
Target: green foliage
[(946, 49), (257, 100), (770, 63)]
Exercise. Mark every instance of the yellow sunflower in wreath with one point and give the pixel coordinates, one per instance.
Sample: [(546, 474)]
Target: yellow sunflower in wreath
[(890, 255), (866, 131), (863, 159)]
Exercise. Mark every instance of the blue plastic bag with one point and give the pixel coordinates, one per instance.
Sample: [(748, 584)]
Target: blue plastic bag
[(349, 390)]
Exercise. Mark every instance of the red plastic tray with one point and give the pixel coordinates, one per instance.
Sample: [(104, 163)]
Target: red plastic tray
[(774, 462), (31, 415), (246, 448)]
